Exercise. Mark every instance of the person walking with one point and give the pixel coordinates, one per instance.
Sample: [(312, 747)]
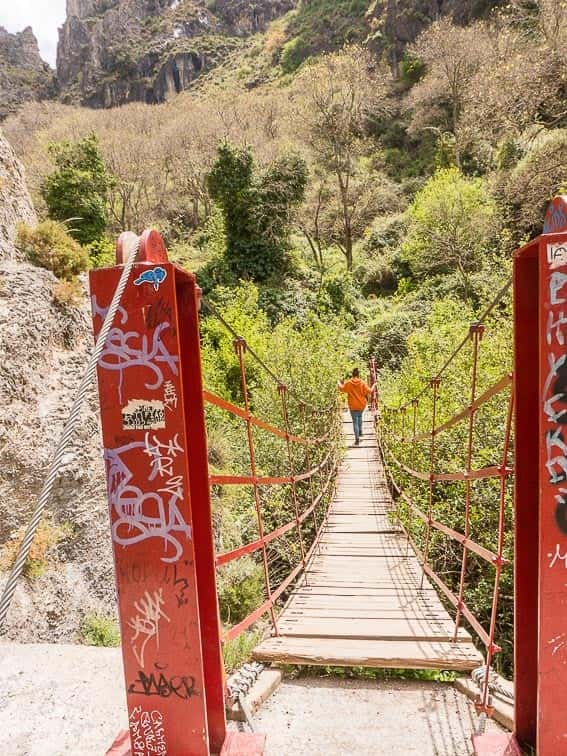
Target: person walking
[(358, 393)]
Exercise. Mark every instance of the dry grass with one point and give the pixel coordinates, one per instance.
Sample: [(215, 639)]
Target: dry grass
[(48, 535)]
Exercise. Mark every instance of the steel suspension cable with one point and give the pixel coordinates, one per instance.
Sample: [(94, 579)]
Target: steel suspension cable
[(215, 311), (481, 319), (67, 436)]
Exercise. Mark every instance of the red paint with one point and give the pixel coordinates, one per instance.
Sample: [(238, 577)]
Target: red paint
[(243, 744), (552, 667), (556, 216), (121, 746), (495, 744), (526, 491), (151, 397)]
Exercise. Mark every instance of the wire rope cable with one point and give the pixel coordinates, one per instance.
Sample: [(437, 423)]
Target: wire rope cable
[(66, 436), (215, 312)]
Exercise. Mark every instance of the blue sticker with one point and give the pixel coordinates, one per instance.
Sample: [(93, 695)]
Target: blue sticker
[(155, 276)]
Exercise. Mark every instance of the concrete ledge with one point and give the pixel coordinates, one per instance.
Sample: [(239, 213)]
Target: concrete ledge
[(503, 710), (265, 685)]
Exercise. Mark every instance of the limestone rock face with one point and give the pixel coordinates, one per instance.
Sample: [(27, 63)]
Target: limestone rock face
[(44, 347), (15, 201), (23, 74), (245, 17), (115, 51), (396, 23)]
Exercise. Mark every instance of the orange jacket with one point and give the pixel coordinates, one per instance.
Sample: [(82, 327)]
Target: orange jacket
[(358, 393)]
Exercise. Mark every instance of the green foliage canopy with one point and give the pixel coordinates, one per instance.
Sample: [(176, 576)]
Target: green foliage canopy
[(50, 246), (452, 222), (257, 209), (78, 187)]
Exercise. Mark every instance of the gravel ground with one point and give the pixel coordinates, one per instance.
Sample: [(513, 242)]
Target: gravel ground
[(59, 699)]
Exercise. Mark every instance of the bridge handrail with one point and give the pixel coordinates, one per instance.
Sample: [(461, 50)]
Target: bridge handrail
[(481, 319), (218, 401), (292, 478), (502, 471), (503, 383)]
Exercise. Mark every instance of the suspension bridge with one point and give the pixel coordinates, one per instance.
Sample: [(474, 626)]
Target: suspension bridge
[(363, 600), (373, 554)]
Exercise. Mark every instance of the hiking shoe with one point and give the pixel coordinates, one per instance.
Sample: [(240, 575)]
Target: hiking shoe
[(357, 442)]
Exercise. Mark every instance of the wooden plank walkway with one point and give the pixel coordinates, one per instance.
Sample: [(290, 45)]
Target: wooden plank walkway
[(359, 602)]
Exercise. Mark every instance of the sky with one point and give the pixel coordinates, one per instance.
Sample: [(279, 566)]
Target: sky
[(44, 16)]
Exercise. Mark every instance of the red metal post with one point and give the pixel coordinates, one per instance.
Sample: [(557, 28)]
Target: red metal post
[(552, 656), (188, 302), (526, 491), (157, 475), (540, 276)]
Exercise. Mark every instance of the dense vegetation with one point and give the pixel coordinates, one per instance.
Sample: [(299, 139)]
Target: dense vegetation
[(341, 210)]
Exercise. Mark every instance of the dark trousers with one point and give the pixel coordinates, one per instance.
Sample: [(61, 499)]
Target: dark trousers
[(357, 423)]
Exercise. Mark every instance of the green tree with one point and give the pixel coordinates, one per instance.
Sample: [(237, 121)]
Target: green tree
[(336, 97), (452, 222), (78, 187), (257, 209)]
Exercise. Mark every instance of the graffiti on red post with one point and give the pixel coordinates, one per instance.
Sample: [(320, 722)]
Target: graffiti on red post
[(552, 658), (150, 512)]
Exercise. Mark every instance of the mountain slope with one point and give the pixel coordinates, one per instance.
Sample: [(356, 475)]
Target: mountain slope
[(24, 75), (120, 51)]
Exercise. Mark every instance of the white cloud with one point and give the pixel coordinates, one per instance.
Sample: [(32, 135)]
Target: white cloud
[(44, 16)]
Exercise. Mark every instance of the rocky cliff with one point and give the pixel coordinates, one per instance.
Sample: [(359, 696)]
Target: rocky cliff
[(115, 51), (43, 351), (23, 74), (396, 23)]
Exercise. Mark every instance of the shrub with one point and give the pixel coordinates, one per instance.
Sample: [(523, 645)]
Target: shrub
[(102, 253), (78, 188), (533, 183), (98, 630), (68, 293), (50, 246), (293, 54), (238, 651), (452, 222), (240, 589)]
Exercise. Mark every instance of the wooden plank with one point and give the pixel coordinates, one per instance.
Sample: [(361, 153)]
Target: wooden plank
[(379, 654), (364, 600), (369, 628)]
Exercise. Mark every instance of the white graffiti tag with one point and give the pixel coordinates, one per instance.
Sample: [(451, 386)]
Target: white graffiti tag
[(555, 365), (557, 282), (556, 462), (147, 733), (128, 349), (556, 328), (162, 455), (557, 557), (101, 312), (559, 644), (144, 515), (146, 622), (170, 396)]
